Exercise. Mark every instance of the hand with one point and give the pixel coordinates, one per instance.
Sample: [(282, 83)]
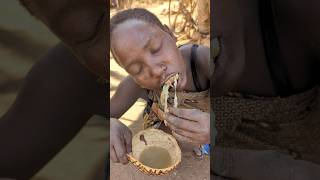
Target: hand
[(120, 141), (191, 123)]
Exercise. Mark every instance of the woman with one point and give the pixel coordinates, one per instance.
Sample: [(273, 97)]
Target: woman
[(147, 50)]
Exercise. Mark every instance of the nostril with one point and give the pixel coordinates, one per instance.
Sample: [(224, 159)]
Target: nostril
[(164, 67), (158, 71)]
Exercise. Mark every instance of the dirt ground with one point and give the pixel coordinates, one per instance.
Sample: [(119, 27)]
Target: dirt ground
[(190, 167)]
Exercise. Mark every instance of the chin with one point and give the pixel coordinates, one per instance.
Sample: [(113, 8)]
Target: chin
[(154, 88)]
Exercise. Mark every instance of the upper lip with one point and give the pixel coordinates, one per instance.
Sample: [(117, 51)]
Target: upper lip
[(167, 78)]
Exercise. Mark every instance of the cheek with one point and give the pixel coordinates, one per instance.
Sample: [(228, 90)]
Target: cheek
[(145, 83), (140, 82), (174, 60), (172, 51)]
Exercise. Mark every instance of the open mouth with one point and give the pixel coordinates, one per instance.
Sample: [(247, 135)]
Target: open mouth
[(170, 80)]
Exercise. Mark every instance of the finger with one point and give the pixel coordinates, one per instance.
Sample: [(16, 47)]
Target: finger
[(128, 142), (190, 114), (193, 137), (187, 134), (175, 122), (113, 155), (120, 151), (181, 138)]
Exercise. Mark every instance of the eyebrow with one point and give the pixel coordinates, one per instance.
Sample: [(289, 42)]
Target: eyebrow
[(147, 43)]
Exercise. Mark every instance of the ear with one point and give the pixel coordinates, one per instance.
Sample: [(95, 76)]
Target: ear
[(167, 29)]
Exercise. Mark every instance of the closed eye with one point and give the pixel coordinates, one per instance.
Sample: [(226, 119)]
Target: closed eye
[(155, 50)]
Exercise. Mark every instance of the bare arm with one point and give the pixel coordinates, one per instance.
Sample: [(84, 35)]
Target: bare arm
[(120, 135), (204, 62), (126, 95), (56, 100)]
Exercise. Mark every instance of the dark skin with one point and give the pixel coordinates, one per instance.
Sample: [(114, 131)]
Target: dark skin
[(242, 63), (81, 25), (306, 28), (243, 57), (149, 54), (61, 92)]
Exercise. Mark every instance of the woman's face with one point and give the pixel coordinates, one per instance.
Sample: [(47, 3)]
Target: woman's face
[(147, 53), (81, 25)]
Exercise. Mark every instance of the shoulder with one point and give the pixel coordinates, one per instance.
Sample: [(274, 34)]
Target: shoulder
[(203, 59), (203, 52)]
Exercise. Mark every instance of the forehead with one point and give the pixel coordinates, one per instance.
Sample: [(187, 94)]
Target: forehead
[(132, 35)]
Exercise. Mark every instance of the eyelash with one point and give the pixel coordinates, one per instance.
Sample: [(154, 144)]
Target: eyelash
[(153, 51)]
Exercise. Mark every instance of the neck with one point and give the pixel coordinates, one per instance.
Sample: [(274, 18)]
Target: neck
[(186, 54)]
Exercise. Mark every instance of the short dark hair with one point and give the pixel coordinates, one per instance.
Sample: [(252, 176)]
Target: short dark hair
[(136, 13)]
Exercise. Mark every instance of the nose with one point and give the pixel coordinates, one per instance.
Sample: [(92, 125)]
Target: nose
[(157, 70)]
